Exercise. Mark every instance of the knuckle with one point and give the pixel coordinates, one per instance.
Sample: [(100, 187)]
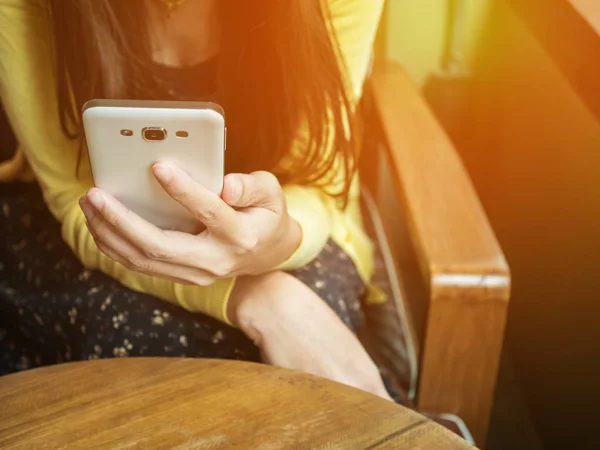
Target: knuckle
[(103, 248), (138, 264), (113, 219), (248, 244), (218, 272), (271, 183), (98, 233), (209, 212), (180, 195), (157, 253), (224, 269), (128, 265), (91, 226), (267, 178), (267, 187)]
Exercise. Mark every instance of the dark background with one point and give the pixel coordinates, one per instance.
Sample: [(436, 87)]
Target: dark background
[(532, 146)]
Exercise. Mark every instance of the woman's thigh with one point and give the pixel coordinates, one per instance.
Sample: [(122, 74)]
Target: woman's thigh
[(53, 310)]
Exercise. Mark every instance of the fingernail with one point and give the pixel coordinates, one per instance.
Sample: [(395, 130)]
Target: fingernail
[(88, 210), (96, 199), (162, 172)]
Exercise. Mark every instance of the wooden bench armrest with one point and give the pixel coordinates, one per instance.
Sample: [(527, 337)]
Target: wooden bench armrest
[(464, 268)]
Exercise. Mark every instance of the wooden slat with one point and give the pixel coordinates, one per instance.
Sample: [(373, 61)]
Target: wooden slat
[(460, 258), (569, 30), (456, 237)]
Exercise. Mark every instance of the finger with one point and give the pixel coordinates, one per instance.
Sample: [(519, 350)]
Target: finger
[(149, 239), (152, 243), (204, 205), (259, 189), (123, 252)]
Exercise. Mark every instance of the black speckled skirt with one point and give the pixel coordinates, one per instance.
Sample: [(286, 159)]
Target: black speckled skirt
[(53, 310)]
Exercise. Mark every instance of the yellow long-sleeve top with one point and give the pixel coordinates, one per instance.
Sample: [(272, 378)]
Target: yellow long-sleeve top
[(28, 92)]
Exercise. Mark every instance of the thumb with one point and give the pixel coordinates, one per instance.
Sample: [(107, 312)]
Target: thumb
[(258, 189)]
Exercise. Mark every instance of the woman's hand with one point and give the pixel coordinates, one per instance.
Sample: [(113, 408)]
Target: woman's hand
[(248, 230), (295, 329)]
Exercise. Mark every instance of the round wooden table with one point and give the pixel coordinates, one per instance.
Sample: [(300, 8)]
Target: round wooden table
[(153, 403)]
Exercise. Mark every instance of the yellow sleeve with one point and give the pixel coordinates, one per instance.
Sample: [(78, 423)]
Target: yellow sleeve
[(355, 24), (211, 300), (28, 92)]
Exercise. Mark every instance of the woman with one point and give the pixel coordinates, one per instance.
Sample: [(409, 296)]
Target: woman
[(283, 250)]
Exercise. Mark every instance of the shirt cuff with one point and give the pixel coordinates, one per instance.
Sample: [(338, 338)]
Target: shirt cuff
[(306, 206)]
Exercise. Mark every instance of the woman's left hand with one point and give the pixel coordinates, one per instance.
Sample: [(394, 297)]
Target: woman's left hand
[(248, 230)]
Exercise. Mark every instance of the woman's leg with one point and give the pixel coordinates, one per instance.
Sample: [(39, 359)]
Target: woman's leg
[(53, 310), (334, 278)]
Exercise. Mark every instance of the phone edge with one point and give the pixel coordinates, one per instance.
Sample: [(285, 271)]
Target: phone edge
[(152, 104)]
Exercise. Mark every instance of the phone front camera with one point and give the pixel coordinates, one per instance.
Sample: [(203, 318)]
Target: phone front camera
[(154, 134)]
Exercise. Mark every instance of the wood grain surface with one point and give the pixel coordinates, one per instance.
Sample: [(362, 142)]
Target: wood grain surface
[(154, 403), (463, 268)]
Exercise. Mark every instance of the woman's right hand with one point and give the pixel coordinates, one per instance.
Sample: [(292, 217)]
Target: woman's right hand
[(295, 329)]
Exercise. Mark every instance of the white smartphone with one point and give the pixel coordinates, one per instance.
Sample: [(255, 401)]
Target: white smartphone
[(126, 137)]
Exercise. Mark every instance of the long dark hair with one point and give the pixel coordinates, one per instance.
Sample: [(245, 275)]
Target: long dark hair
[(281, 69)]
